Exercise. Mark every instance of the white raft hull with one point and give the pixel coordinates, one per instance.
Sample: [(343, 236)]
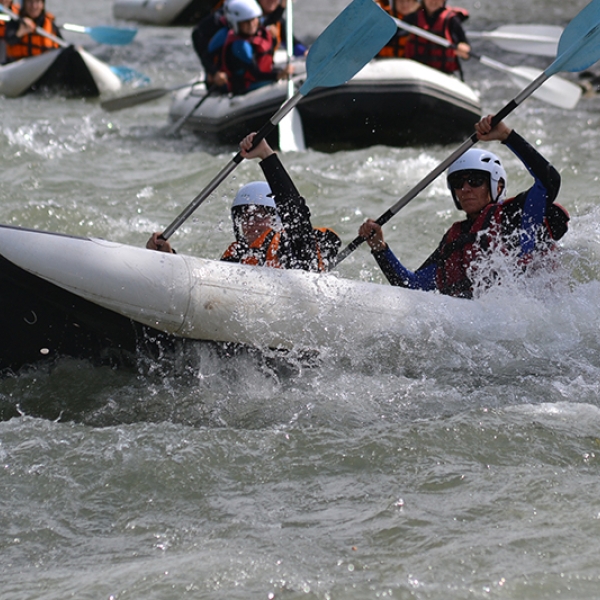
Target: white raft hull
[(162, 12), (86, 281), (69, 71), (394, 102)]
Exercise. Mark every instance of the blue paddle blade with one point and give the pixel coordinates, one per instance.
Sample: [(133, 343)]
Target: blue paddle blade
[(114, 36), (347, 45), (579, 45), (129, 75)]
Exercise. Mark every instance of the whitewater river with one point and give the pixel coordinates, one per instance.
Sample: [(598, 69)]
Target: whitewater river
[(455, 456)]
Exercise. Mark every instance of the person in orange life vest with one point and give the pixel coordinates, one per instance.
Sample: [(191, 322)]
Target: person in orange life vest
[(15, 9), (523, 226), (247, 52), (22, 40), (435, 17), (398, 9), (271, 221)]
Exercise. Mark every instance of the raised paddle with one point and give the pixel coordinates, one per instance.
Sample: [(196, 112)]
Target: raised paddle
[(141, 96), (539, 40), (350, 41), (555, 91), (291, 134), (579, 48), (105, 34)]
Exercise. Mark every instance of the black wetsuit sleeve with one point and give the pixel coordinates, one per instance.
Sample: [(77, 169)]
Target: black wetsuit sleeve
[(299, 250), (542, 171)]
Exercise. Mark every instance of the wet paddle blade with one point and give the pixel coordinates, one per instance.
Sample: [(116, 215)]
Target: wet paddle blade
[(579, 46), (105, 34), (347, 45), (140, 97), (538, 40), (555, 91), (291, 133)]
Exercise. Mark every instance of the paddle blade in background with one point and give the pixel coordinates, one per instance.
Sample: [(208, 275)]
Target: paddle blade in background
[(366, 29), (579, 46), (555, 91), (538, 40), (291, 133), (105, 34)]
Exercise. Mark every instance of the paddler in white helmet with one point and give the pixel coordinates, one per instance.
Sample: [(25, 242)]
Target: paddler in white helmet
[(271, 221), (520, 227)]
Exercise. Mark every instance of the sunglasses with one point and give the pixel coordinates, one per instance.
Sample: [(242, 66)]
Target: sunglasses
[(475, 180)]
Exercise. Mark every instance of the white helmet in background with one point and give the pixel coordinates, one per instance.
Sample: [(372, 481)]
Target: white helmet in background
[(475, 159), (257, 193), (237, 11)]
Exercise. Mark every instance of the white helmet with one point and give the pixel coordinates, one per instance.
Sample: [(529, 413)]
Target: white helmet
[(237, 11), (257, 193), (481, 160)]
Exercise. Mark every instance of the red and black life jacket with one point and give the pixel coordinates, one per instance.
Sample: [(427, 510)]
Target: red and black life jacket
[(34, 44), (429, 53), (263, 47), (467, 240)]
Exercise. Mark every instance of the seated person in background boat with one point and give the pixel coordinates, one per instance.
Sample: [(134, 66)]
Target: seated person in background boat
[(202, 33), (247, 49), (519, 228), (398, 9), (274, 21), (271, 221), (435, 17), (9, 5), (21, 37)]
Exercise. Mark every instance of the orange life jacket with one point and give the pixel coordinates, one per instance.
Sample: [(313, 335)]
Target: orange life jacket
[(263, 47), (15, 9), (264, 251), (395, 48), (466, 241), (34, 44), (429, 53)]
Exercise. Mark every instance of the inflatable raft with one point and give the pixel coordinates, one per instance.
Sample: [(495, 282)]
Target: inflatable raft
[(394, 102), (163, 12), (109, 302), (69, 71)]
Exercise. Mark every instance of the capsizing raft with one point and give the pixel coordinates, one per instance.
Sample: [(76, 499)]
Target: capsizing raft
[(393, 102), (112, 303), (67, 71)]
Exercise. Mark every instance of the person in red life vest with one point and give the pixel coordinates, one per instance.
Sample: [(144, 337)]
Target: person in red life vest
[(21, 37), (398, 9), (248, 48), (9, 5), (434, 16), (271, 221), (521, 228)]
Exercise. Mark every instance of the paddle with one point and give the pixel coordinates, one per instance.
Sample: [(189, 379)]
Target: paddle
[(578, 49), (353, 38), (174, 129), (105, 34), (142, 96), (291, 134), (556, 91), (539, 40)]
